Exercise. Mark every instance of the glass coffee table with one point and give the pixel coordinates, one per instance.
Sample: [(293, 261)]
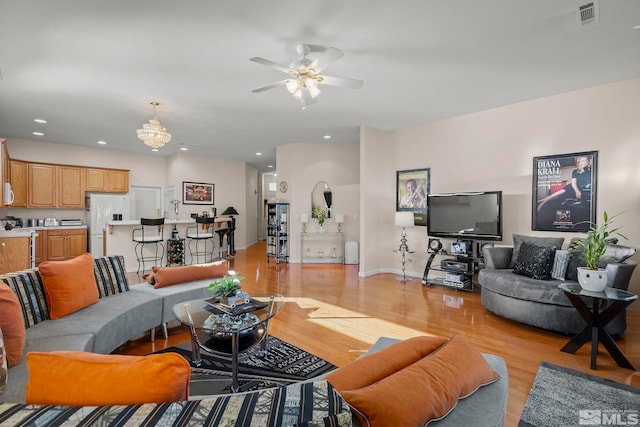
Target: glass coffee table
[(226, 331), (597, 319)]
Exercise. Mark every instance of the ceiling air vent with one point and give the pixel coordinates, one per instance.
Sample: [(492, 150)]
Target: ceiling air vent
[(588, 13)]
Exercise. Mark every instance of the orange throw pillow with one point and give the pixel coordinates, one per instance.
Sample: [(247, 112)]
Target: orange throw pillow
[(426, 390), (376, 366), (80, 378), (69, 285), (167, 276), (11, 324)]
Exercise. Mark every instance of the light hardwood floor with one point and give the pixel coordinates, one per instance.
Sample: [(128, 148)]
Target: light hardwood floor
[(333, 313)]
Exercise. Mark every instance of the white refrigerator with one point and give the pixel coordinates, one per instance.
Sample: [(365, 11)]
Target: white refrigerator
[(101, 208)]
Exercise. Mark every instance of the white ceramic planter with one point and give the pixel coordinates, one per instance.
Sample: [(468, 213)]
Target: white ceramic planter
[(592, 280)]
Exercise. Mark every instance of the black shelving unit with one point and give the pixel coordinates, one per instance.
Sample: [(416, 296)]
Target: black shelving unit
[(278, 232)]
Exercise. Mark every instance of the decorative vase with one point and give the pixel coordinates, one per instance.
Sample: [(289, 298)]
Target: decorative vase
[(321, 229), (592, 280)]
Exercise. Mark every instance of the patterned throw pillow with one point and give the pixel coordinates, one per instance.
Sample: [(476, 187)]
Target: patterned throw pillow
[(111, 275), (535, 261), (560, 264), (28, 288), (555, 242)]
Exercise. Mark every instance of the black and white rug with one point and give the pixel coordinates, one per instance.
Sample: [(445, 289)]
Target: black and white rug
[(565, 397), (283, 364)]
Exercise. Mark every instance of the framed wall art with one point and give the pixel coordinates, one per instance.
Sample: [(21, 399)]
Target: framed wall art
[(564, 192), (197, 193), (412, 187)]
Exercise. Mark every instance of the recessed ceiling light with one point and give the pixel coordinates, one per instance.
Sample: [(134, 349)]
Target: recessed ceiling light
[(40, 120), (38, 133), (270, 166), (184, 149), (327, 137), (154, 149), (102, 142), (637, 27), (258, 154)]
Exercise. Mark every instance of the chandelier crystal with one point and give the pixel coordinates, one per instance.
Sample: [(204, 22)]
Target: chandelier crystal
[(153, 133)]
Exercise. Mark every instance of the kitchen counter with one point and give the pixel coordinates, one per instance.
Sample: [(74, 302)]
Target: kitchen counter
[(191, 221), (26, 231)]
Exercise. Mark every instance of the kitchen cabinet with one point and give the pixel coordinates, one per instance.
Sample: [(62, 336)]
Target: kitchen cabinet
[(107, 180), (42, 185), (41, 248), (65, 244), (15, 254), (18, 179), (70, 187)]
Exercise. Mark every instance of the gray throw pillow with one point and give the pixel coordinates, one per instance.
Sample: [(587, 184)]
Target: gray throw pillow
[(560, 264), (535, 261), (613, 254), (554, 242)]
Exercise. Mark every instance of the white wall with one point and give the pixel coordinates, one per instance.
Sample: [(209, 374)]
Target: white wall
[(494, 150)]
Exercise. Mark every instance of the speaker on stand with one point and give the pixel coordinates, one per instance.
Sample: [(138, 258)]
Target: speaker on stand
[(435, 245)]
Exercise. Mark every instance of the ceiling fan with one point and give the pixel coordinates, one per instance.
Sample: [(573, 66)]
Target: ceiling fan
[(305, 73)]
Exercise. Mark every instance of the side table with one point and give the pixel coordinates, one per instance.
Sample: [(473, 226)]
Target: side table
[(597, 320), (175, 252)]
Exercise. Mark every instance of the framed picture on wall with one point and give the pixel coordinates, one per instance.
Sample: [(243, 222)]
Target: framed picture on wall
[(412, 187), (564, 192), (197, 193)]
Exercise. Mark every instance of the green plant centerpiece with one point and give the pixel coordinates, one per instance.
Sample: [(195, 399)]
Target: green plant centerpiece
[(320, 214), (226, 286), (593, 248)]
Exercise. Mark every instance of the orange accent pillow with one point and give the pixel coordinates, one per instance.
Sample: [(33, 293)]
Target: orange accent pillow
[(11, 324), (167, 276), (376, 366), (426, 390), (69, 285), (80, 378)]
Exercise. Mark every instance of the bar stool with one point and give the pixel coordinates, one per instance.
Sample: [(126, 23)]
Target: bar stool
[(200, 234), (221, 233), (151, 232)]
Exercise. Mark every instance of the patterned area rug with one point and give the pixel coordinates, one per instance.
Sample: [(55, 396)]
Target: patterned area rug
[(564, 397), (283, 364)]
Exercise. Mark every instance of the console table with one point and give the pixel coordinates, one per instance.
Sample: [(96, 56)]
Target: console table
[(597, 320), (322, 248)]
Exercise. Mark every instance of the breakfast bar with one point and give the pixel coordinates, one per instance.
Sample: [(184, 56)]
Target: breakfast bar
[(117, 237)]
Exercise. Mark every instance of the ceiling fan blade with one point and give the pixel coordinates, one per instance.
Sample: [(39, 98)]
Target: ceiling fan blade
[(270, 63), (341, 82), (329, 56), (269, 86)]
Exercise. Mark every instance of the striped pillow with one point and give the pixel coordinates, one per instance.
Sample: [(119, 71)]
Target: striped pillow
[(111, 275), (28, 287)]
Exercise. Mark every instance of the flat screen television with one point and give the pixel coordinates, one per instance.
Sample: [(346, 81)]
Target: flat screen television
[(475, 216)]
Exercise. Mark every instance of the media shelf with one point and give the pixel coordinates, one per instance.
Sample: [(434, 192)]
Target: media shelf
[(458, 271), (277, 232)]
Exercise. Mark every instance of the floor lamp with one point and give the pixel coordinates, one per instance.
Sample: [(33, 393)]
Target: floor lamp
[(404, 220)]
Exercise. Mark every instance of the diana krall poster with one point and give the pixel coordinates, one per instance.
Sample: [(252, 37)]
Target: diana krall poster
[(564, 192)]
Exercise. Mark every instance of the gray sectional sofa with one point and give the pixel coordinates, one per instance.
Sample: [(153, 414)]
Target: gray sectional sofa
[(541, 303), (123, 312)]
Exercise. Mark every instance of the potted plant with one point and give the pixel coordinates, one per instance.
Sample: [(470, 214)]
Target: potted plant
[(226, 286), (321, 215), (591, 277)]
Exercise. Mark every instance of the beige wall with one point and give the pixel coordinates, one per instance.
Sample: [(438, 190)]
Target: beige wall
[(302, 166), (493, 150)]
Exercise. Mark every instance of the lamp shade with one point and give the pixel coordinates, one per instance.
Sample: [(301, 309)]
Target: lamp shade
[(304, 218), (230, 211), (404, 219), (339, 218)]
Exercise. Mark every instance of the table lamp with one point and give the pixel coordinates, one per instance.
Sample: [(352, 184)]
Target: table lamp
[(304, 219), (339, 220)]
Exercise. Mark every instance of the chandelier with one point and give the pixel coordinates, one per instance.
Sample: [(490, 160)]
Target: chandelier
[(153, 133)]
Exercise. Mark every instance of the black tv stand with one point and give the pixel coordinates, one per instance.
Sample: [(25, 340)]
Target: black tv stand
[(460, 270)]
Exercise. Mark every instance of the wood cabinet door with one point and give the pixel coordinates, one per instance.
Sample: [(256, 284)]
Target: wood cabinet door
[(41, 247), (42, 185), (70, 188), (76, 243), (18, 180), (15, 254), (96, 179), (56, 246), (118, 181)]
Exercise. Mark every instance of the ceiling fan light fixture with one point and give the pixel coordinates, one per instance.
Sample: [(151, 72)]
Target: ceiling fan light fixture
[(292, 85), (153, 133)]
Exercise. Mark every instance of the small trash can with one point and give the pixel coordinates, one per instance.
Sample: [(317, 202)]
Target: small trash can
[(351, 253)]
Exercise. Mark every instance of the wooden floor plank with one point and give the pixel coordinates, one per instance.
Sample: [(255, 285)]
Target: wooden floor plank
[(333, 313)]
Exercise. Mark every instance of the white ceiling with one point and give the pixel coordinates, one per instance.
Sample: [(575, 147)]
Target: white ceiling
[(90, 68)]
